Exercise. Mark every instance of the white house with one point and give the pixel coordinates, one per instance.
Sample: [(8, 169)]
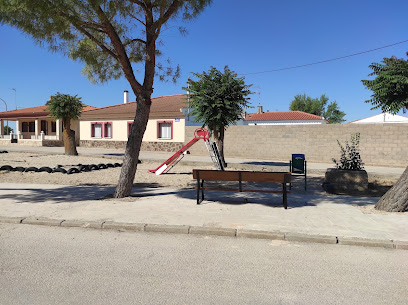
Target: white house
[(382, 118), (109, 126)]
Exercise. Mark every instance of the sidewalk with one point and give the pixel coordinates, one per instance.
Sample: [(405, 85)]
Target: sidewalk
[(309, 218)]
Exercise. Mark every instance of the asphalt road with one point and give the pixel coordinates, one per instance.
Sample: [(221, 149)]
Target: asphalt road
[(54, 265)]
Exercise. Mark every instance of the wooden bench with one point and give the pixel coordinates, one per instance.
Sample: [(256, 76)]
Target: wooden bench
[(240, 176)]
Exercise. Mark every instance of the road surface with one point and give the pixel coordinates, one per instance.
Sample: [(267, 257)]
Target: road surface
[(54, 265)]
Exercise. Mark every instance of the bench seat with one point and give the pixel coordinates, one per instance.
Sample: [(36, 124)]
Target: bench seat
[(202, 175)]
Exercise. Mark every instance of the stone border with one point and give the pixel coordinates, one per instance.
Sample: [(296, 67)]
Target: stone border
[(164, 146), (215, 231)]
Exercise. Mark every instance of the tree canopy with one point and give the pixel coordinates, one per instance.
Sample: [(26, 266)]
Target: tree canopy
[(390, 94), (110, 37), (218, 99), (318, 106), (106, 35), (390, 85), (66, 108)]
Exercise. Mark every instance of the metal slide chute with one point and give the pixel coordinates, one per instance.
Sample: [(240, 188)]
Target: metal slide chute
[(199, 134)]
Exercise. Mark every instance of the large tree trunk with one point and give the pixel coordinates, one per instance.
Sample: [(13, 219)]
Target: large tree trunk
[(396, 199), (130, 160), (69, 139)]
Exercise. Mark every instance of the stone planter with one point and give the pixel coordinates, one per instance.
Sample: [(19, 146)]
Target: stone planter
[(338, 181)]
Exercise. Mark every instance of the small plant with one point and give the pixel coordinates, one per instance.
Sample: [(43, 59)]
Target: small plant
[(350, 156)]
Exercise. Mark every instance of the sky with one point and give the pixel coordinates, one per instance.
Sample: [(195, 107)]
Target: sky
[(247, 36)]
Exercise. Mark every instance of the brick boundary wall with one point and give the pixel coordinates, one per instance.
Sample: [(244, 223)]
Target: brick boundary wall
[(380, 144), (146, 146)]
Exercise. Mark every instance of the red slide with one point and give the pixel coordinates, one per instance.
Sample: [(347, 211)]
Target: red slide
[(199, 134)]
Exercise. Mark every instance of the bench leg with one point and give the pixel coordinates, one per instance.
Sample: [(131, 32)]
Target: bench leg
[(202, 190), (285, 196), (200, 186)]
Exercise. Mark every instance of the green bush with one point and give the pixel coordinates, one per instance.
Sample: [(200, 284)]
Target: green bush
[(350, 158)]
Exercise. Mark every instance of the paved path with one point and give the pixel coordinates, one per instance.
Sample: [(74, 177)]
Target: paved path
[(311, 215)]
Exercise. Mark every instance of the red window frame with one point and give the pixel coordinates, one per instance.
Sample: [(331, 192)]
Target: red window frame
[(93, 129), (129, 125), (158, 129), (104, 130)]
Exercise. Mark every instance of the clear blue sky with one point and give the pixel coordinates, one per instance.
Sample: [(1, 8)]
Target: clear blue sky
[(248, 36)]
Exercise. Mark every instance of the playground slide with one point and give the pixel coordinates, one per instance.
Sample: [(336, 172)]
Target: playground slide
[(199, 134)]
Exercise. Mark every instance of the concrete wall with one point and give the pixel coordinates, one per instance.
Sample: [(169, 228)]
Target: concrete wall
[(380, 144)]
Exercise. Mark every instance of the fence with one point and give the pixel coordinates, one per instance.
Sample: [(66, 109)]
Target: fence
[(380, 144)]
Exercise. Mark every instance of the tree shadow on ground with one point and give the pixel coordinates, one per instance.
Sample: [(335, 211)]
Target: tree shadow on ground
[(267, 163), (55, 195), (114, 154), (298, 197)]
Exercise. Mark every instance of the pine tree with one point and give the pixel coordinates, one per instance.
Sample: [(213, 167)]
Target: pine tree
[(109, 37), (390, 94)]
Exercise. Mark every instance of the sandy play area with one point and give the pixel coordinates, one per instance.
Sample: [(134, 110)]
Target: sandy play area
[(179, 177)]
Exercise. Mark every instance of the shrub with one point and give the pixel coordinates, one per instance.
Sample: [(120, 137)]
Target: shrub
[(350, 158)]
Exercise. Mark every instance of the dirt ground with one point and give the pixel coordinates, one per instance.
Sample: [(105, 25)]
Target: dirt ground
[(179, 177)]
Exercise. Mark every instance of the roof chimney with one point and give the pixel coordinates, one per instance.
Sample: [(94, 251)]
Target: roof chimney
[(259, 109), (125, 97)]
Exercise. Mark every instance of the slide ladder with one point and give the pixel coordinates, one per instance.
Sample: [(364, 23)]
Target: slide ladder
[(214, 154), (199, 133)]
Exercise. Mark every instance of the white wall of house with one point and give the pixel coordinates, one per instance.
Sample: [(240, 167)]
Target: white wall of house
[(383, 118), (99, 130)]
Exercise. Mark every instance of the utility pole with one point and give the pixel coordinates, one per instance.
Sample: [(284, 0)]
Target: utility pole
[(15, 96), (6, 111)]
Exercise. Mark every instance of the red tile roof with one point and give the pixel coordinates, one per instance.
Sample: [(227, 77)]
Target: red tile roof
[(282, 116), (167, 106), (32, 112)]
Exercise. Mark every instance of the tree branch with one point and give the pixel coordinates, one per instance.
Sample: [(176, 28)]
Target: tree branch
[(122, 56), (166, 16), (133, 40)]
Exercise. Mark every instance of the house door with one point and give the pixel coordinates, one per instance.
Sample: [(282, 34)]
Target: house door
[(44, 127)]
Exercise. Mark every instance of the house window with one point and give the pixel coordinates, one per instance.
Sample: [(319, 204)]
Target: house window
[(24, 126), (129, 125), (31, 127), (96, 130), (53, 126), (44, 126), (165, 130), (107, 132)]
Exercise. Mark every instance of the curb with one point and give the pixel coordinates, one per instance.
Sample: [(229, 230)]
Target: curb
[(215, 231)]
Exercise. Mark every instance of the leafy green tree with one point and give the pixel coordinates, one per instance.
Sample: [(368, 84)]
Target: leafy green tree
[(66, 108), (318, 106), (218, 99), (390, 85), (109, 37), (7, 130), (390, 94)]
